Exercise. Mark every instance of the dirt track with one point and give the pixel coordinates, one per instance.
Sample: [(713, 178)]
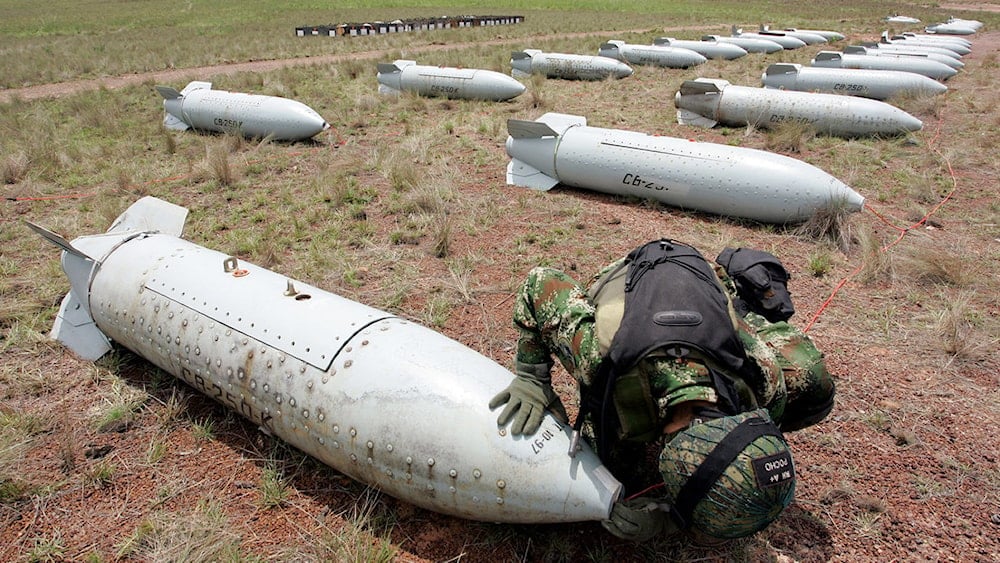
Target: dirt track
[(172, 75), (902, 470)]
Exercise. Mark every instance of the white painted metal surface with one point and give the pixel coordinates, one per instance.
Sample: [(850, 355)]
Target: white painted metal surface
[(949, 41), (750, 44), (657, 55), (874, 84), (876, 50), (827, 34), (721, 179), (379, 398), (953, 27), (915, 47), (709, 48), (200, 107), (447, 82), (807, 37), (568, 66), (919, 65), (786, 41), (706, 102)]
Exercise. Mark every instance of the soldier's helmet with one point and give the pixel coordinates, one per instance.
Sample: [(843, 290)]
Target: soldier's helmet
[(728, 477)]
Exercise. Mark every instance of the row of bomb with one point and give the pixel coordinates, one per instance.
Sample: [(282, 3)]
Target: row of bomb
[(706, 176), (402, 26), (344, 382), (896, 66), (670, 170)]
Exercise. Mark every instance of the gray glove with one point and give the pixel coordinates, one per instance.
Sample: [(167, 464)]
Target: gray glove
[(639, 519), (527, 397)]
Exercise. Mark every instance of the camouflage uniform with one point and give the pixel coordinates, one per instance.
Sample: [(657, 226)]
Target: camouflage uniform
[(555, 315)]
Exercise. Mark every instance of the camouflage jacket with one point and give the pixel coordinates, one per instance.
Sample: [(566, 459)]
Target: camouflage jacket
[(557, 316)]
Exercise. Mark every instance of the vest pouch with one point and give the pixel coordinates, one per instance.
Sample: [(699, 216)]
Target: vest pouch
[(608, 294), (743, 394), (637, 419)]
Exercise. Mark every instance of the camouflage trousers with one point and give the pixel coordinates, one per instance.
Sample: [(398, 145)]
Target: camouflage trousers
[(555, 317), (808, 386)]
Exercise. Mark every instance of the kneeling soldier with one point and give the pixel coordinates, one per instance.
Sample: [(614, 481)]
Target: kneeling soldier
[(688, 375)]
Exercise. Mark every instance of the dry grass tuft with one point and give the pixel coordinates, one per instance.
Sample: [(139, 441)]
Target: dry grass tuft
[(461, 270), (173, 409), (236, 143), (412, 102), (830, 223), (366, 103), (169, 142), (790, 136), (201, 535), (14, 167), (13, 447), (366, 534), (100, 474), (954, 328), (877, 264), (441, 245), (273, 488), (431, 197), (535, 87), (217, 162), (355, 68), (67, 445), (926, 264), (400, 164), (120, 404)]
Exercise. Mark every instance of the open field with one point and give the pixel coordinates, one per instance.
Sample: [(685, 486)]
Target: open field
[(403, 205)]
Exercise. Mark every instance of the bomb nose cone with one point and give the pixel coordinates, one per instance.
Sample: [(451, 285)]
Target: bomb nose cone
[(510, 89), (936, 88), (852, 199), (909, 123), (310, 123)]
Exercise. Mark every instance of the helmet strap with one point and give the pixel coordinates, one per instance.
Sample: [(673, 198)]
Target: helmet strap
[(715, 464)]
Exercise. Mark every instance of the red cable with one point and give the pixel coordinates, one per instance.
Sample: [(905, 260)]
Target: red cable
[(646, 490), (43, 198), (902, 230)]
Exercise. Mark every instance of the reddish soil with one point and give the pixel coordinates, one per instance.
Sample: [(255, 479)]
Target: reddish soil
[(977, 7), (905, 469)]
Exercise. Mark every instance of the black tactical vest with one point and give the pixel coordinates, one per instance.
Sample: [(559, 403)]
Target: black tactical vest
[(675, 303)]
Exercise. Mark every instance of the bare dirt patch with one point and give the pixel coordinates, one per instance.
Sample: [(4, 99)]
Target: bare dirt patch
[(976, 7)]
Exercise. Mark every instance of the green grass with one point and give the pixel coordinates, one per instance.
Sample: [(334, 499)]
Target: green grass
[(155, 451), (203, 534), (120, 405), (101, 474), (390, 207), (203, 429), (273, 488), (820, 263), (45, 549), (92, 39)]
